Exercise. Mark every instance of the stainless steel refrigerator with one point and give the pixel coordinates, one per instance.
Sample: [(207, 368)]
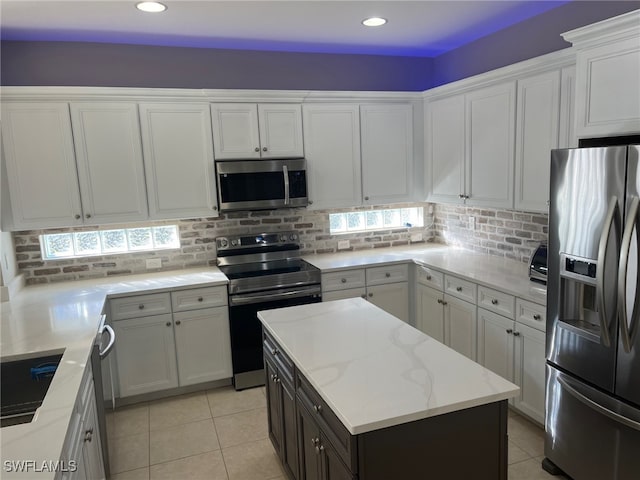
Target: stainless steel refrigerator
[(592, 415)]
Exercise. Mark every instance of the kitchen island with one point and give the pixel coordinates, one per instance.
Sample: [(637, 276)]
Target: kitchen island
[(356, 393)]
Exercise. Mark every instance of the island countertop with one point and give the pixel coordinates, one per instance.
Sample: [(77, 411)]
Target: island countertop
[(375, 371)]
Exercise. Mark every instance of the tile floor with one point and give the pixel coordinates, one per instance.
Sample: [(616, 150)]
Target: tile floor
[(221, 434)]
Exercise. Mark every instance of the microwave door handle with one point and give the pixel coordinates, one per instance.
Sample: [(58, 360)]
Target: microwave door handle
[(602, 253), (627, 332), (285, 174)]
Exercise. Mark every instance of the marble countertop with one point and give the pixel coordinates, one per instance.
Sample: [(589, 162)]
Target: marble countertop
[(509, 276), (375, 371), (63, 318)]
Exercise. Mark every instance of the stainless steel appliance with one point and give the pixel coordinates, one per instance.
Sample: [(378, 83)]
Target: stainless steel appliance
[(538, 265), (99, 352), (261, 184), (265, 271), (592, 418)]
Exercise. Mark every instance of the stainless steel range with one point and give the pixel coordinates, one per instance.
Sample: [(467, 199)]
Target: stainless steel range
[(265, 271)]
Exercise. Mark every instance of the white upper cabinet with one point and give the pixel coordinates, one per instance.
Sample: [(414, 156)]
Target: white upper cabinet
[(41, 166), (445, 149), (332, 145), (536, 135), (490, 125), (387, 153), (249, 130), (607, 76), (178, 156), (109, 160)]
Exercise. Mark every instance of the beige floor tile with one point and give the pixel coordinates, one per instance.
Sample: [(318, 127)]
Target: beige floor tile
[(181, 441), (516, 454), (129, 453), (138, 474), (178, 410), (130, 420), (252, 461), (242, 427), (206, 466), (226, 401), (529, 470), (526, 435)]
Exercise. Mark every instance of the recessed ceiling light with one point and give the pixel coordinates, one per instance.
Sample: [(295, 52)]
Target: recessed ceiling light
[(374, 21), (151, 7)]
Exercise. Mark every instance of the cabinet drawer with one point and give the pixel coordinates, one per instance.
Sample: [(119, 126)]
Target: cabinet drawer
[(272, 351), (342, 294), (388, 274), (460, 288), (331, 426), (531, 314), (197, 298), (496, 301), (140, 306), (344, 279), (431, 278)]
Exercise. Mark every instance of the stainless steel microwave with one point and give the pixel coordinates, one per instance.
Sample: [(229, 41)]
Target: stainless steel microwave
[(261, 184)]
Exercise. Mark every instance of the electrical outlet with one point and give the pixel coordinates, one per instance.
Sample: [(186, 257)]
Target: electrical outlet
[(343, 245), (154, 263), (472, 222), (430, 210), (416, 237)]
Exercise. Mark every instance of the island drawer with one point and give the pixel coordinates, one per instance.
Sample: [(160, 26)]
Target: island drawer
[(387, 274), (460, 288), (196, 298), (496, 301), (140, 306), (429, 277), (273, 352), (531, 314), (343, 279), (343, 442)]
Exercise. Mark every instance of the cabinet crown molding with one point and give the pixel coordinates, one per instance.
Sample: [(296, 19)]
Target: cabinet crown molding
[(613, 29)]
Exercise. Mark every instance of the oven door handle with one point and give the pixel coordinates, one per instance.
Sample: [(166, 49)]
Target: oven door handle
[(236, 300), (285, 174)]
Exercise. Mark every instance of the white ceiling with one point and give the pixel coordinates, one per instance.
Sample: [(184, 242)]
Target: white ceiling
[(416, 28)]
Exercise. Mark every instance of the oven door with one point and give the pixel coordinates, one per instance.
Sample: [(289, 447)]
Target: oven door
[(246, 329), (261, 184)]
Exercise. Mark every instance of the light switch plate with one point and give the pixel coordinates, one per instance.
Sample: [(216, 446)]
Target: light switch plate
[(343, 244), (472, 222), (154, 263)]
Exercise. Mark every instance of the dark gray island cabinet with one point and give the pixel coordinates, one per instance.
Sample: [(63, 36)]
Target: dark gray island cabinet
[(355, 394)]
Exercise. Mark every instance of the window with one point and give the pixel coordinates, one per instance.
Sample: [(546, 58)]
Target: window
[(108, 242), (350, 222)]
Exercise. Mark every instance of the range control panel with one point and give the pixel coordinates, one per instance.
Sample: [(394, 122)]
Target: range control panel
[(259, 240)]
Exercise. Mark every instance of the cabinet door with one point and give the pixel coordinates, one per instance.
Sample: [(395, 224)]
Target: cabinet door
[(529, 371), (308, 444), (178, 157), (235, 131), (332, 466), (460, 332), (536, 136), (567, 132), (387, 153), (392, 298), (92, 450), (342, 294), (273, 406), (109, 158), (289, 427), (203, 345), (332, 147), (445, 149), (146, 354), (490, 134), (430, 312), (495, 343), (280, 126), (41, 165)]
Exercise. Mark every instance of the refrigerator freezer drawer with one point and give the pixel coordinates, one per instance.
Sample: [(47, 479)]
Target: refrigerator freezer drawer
[(588, 434)]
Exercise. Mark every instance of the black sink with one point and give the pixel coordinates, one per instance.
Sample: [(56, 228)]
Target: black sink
[(24, 386)]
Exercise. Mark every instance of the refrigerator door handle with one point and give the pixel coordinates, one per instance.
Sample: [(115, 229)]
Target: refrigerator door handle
[(602, 252), (627, 331), (597, 407)]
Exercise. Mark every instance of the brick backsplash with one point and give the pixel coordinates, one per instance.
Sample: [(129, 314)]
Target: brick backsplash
[(197, 238), (505, 233)]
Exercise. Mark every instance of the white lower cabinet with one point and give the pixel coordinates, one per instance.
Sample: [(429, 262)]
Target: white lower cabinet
[(460, 326), (168, 350), (430, 312), (392, 298)]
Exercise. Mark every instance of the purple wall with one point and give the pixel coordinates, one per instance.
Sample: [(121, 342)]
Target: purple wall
[(118, 65), (531, 38)]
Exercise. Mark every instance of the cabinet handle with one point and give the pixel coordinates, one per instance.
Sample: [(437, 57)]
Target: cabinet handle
[(344, 280), (141, 306), (275, 351), (310, 202), (77, 216), (440, 300), (509, 331), (516, 334), (88, 215), (168, 324), (274, 377), (178, 322), (458, 289), (317, 408), (319, 448), (264, 149), (257, 149), (461, 195), (200, 299), (387, 274), (214, 207), (428, 277), (366, 198), (315, 441), (444, 303), (364, 296), (466, 197), (537, 316), (494, 302), (370, 295)]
